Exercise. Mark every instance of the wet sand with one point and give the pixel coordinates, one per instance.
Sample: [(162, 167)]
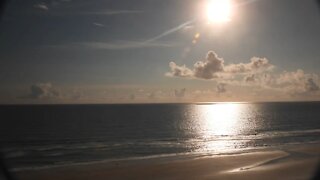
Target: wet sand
[(289, 163)]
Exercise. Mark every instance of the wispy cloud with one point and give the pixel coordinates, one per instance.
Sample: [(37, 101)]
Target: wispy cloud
[(112, 12), (188, 24), (50, 5), (170, 31), (41, 6), (122, 45), (59, 10), (98, 24)]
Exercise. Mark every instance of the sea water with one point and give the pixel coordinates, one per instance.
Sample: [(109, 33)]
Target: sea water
[(37, 136)]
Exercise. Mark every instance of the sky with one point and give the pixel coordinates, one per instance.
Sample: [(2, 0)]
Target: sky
[(158, 51)]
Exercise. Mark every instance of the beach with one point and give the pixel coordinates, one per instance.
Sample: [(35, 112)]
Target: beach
[(294, 162)]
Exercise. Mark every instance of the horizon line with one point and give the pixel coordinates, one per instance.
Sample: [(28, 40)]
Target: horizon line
[(159, 103)]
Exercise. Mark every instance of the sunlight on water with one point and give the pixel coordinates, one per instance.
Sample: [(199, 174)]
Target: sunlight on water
[(221, 119), (128, 132), (220, 123)]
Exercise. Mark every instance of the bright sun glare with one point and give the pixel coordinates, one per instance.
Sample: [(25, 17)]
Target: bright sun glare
[(219, 11)]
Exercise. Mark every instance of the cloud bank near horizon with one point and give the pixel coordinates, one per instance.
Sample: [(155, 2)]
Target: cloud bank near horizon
[(42, 91), (258, 72)]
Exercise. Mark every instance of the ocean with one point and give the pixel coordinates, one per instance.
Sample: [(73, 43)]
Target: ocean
[(42, 136)]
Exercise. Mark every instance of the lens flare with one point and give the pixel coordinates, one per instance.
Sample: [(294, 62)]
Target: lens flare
[(195, 38)]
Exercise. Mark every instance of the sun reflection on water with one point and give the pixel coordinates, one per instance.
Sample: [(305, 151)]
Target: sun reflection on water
[(220, 124), (220, 119)]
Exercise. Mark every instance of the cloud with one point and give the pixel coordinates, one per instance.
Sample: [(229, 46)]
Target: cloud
[(298, 82), (311, 86), (187, 28), (43, 90), (113, 12), (151, 95), (179, 71), (296, 77), (76, 94), (122, 45), (250, 78), (221, 88), (293, 83), (258, 73), (180, 93), (207, 69), (170, 31), (213, 67), (256, 65), (41, 6), (132, 96), (50, 5), (98, 24), (63, 11)]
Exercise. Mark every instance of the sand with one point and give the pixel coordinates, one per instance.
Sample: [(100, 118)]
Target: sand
[(289, 163)]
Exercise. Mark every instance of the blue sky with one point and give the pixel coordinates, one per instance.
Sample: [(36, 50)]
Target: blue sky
[(122, 51)]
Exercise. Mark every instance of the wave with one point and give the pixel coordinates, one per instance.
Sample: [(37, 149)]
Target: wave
[(156, 143), (69, 153), (158, 157)]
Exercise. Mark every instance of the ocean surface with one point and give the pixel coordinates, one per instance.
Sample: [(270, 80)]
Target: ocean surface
[(38, 136)]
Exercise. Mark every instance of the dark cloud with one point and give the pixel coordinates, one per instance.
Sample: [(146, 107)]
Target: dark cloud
[(43, 90), (207, 69), (311, 86), (201, 69)]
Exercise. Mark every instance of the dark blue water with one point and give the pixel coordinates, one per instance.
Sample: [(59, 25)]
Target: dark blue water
[(50, 135)]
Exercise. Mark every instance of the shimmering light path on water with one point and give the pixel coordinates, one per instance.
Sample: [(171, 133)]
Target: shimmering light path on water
[(36, 136)]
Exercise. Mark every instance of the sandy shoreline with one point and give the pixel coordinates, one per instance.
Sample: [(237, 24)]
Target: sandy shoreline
[(290, 163)]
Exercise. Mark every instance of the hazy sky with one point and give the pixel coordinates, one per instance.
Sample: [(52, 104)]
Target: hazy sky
[(127, 51)]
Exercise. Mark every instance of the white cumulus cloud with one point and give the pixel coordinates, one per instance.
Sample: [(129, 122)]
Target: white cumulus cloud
[(213, 67), (256, 73)]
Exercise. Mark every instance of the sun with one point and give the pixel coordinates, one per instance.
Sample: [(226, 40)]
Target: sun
[(219, 11)]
